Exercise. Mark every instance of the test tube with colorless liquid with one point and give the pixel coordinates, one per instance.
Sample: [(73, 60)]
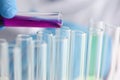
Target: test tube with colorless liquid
[(26, 45), (47, 37), (61, 58), (17, 64), (4, 60), (110, 52), (15, 60), (78, 55), (40, 60), (62, 53), (118, 59)]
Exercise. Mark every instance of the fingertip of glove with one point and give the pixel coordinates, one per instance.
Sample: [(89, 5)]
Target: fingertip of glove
[(9, 13), (2, 27), (8, 8)]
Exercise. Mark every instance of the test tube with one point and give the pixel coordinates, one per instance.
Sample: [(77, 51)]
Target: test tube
[(95, 42), (110, 54), (47, 37), (62, 53), (26, 44), (4, 60), (78, 55), (118, 59), (40, 60), (61, 58), (39, 20), (15, 62)]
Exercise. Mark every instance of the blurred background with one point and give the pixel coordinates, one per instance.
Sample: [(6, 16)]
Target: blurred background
[(77, 11)]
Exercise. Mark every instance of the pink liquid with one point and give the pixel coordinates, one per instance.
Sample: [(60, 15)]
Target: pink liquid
[(24, 21)]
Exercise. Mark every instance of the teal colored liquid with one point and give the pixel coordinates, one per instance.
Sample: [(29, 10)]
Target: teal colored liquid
[(93, 55)]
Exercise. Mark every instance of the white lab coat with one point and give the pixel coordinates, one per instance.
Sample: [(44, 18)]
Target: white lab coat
[(78, 11)]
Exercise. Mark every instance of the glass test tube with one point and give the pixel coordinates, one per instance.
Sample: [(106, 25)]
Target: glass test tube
[(106, 53), (40, 60), (40, 20), (4, 60), (95, 42), (26, 44), (78, 55), (61, 52), (47, 37), (111, 57), (61, 59), (15, 62), (118, 59)]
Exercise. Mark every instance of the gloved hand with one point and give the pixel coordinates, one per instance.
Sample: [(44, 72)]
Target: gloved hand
[(7, 9)]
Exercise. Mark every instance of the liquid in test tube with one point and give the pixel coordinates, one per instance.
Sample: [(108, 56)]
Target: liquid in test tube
[(26, 21)]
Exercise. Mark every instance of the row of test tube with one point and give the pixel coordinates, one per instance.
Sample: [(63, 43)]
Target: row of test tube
[(64, 55)]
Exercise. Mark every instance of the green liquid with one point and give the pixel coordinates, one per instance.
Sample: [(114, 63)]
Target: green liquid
[(89, 78), (92, 78), (93, 55)]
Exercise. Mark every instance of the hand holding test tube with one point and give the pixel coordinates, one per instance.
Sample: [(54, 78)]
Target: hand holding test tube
[(8, 10)]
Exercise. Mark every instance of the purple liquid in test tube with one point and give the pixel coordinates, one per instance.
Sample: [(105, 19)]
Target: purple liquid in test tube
[(25, 21)]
